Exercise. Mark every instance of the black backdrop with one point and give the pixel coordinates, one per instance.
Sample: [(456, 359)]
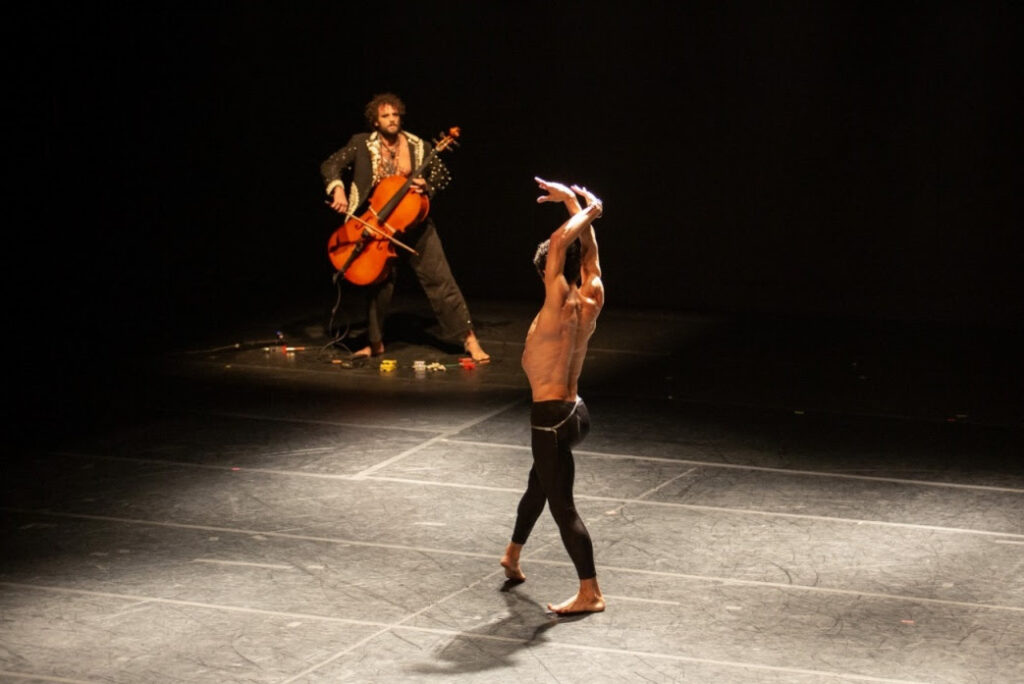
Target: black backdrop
[(841, 159)]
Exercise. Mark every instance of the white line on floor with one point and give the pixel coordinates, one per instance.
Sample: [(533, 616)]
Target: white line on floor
[(399, 624), (133, 608), (450, 431), (296, 452), (618, 509), (336, 656), (251, 533), (455, 485), (652, 490), (44, 678), (193, 604), (272, 566), (310, 421), (766, 469), (365, 475), (818, 518), (737, 664), (493, 556), (445, 436), (208, 466), (617, 597), (385, 627), (720, 509)]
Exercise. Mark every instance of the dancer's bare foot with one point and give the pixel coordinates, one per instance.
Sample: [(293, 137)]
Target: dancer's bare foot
[(473, 348), (510, 561), (372, 349), (587, 600)]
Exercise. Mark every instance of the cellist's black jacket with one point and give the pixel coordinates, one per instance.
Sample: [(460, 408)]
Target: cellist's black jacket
[(361, 154)]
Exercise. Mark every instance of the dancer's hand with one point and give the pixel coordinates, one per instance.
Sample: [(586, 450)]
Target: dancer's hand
[(591, 198), (558, 193)]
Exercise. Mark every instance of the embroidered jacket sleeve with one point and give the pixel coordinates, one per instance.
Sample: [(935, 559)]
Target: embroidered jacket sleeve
[(339, 162), (437, 176), (436, 173)]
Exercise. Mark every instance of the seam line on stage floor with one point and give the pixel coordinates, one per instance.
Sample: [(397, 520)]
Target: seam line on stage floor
[(579, 452), (385, 627), (766, 469), (399, 624), (584, 497), (442, 434), (45, 678), (310, 421), (453, 430), (492, 556), (723, 509)]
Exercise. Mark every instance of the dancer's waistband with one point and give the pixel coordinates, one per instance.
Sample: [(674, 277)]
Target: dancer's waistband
[(552, 414)]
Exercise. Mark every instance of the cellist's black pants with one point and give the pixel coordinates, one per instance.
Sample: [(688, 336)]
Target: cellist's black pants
[(556, 427), (431, 267)]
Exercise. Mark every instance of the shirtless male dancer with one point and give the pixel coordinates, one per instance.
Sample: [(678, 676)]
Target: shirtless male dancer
[(556, 345)]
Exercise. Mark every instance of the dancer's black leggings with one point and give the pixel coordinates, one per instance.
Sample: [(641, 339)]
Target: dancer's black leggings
[(556, 427)]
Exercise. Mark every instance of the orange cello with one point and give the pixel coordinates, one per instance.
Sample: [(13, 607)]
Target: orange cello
[(363, 247)]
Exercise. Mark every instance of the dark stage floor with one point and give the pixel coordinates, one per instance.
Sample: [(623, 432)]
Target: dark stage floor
[(771, 500)]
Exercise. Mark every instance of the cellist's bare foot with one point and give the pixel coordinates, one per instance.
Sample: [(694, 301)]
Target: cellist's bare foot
[(587, 600), (473, 348), (510, 561), (372, 349)]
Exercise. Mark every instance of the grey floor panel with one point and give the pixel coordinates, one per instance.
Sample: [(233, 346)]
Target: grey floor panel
[(100, 638), (498, 466), (257, 442), (860, 445), (806, 493), (809, 494), (842, 554), (322, 394), (768, 627), (811, 553), (244, 570), (767, 504), (408, 655), (330, 507)]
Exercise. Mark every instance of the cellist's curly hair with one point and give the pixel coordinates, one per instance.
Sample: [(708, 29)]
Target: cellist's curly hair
[(374, 105)]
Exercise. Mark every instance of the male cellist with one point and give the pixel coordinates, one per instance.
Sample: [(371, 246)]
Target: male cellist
[(556, 345), (370, 157)]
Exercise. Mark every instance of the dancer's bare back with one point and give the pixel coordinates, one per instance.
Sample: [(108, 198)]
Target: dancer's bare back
[(557, 341)]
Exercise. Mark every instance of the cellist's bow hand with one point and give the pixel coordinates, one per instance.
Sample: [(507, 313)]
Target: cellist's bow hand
[(339, 202), (591, 198), (557, 193)]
